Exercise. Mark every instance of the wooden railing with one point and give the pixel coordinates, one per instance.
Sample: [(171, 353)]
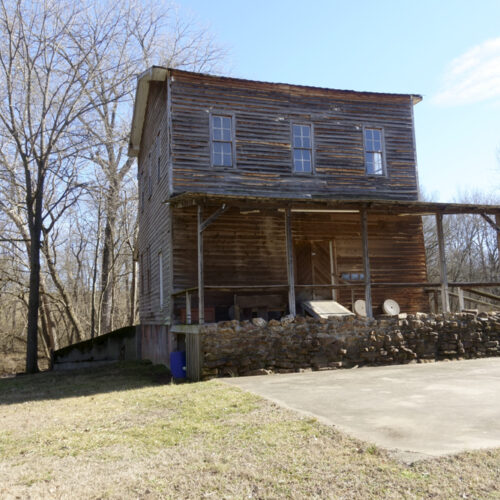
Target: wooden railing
[(462, 299), (429, 287)]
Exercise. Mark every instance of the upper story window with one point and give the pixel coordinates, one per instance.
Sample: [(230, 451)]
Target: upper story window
[(222, 141), (158, 156), (302, 148), (374, 151)]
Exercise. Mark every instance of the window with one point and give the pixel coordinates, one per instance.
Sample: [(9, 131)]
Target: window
[(160, 274), (374, 151), (158, 156), (222, 141), (143, 190), (302, 148), (353, 276), (148, 258), (141, 271), (150, 183)]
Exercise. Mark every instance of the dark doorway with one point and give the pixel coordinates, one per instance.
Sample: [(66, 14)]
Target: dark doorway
[(315, 264)]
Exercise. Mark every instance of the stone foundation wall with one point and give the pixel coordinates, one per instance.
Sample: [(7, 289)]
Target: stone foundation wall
[(258, 347)]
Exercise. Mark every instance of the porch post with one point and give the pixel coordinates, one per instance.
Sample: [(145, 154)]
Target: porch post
[(497, 220), (445, 297), (289, 258), (201, 291), (366, 264), (461, 301)]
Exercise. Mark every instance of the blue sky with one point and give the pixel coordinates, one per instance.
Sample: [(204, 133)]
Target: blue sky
[(447, 51)]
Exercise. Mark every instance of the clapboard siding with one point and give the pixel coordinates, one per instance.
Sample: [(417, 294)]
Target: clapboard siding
[(263, 116), (249, 249), (154, 215)]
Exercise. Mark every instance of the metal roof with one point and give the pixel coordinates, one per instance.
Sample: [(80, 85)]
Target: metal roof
[(316, 203)]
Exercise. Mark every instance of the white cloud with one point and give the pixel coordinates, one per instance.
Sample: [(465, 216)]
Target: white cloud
[(472, 77)]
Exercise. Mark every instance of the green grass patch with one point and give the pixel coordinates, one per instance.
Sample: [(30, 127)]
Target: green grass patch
[(116, 432)]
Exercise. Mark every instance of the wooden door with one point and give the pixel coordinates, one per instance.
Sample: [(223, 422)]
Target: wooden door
[(315, 265)]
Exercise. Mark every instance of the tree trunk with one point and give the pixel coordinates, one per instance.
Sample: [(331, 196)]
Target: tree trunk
[(35, 224), (133, 293), (107, 274)]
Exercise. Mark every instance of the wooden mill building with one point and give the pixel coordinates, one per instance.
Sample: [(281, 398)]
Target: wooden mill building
[(255, 197)]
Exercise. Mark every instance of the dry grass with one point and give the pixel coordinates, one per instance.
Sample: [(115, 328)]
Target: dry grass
[(116, 432)]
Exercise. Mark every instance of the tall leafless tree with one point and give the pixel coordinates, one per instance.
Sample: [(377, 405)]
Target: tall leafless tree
[(45, 75), (69, 71)]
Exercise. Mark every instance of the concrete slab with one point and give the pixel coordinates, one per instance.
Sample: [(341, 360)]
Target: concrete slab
[(419, 410)]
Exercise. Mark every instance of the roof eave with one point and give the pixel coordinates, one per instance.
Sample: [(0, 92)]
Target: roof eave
[(153, 74)]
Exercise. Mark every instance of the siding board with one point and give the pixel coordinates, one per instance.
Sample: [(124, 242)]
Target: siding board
[(262, 121)]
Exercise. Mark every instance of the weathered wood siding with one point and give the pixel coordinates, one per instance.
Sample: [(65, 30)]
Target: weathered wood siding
[(396, 250), (249, 249), (154, 215), (243, 249), (263, 115)]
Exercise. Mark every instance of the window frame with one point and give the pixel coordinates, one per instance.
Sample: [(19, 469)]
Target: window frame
[(312, 148), (232, 117), (368, 126), (149, 179), (160, 278), (148, 258), (141, 272), (158, 157), (142, 181)]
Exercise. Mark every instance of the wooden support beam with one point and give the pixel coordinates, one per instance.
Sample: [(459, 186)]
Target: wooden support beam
[(366, 263), (213, 217), (490, 221), (483, 294), (201, 283), (289, 258), (497, 220), (445, 297), (475, 301), (333, 266), (495, 225), (461, 303), (188, 308)]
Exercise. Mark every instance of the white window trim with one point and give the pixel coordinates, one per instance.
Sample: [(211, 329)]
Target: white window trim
[(233, 138), (312, 148), (384, 162), (160, 276), (158, 157)]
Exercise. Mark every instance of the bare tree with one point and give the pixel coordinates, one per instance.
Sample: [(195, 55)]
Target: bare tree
[(471, 245), (45, 75), (151, 33), (69, 75)]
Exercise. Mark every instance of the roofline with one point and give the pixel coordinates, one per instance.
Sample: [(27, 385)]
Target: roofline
[(160, 73), (153, 74), (416, 98), (380, 206)]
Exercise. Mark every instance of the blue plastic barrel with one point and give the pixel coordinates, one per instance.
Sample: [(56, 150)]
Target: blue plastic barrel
[(178, 364)]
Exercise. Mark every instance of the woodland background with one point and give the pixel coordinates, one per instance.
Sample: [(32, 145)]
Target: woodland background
[(68, 191)]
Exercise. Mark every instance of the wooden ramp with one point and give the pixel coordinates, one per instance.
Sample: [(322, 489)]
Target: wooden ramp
[(325, 308)]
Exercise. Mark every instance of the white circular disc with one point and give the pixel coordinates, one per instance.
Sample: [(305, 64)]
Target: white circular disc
[(360, 307), (391, 307)]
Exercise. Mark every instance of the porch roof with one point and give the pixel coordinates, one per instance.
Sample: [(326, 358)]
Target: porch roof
[(324, 204)]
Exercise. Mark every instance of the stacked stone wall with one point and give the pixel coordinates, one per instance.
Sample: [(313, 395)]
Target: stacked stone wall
[(298, 344)]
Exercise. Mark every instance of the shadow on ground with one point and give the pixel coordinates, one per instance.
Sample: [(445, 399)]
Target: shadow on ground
[(120, 376)]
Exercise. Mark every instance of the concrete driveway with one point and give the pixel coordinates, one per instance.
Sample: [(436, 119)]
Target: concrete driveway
[(416, 410)]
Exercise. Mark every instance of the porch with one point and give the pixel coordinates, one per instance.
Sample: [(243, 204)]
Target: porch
[(315, 267)]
